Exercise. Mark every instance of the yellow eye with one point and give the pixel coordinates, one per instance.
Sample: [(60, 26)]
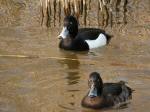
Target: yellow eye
[(71, 23)]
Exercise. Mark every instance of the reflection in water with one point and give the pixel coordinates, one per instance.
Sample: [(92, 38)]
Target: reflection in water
[(72, 67)]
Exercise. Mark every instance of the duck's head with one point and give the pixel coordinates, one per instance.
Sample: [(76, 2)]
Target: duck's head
[(95, 84), (70, 27)]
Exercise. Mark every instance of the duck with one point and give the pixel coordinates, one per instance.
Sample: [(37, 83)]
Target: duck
[(104, 95), (83, 39)]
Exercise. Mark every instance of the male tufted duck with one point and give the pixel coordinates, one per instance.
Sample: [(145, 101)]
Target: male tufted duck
[(82, 39), (103, 95)]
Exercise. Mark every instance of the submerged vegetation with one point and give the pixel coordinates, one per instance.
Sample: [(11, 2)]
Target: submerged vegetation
[(108, 12)]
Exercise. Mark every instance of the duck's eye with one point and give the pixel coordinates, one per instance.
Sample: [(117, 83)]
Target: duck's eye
[(71, 23), (92, 81), (89, 82)]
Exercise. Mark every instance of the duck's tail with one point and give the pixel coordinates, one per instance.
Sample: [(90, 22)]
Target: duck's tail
[(124, 83), (108, 37), (124, 96)]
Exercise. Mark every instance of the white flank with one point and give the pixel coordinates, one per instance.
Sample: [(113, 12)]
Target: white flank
[(64, 33), (100, 41)]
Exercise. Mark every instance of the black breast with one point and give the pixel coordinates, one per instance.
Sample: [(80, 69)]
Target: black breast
[(77, 44)]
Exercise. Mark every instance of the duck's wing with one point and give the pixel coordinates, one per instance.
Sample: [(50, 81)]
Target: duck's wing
[(91, 29), (92, 34), (113, 89), (117, 92), (89, 33)]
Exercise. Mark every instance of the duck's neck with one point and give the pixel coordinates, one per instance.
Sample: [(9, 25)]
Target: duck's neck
[(94, 92), (67, 41), (73, 35), (99, 91)]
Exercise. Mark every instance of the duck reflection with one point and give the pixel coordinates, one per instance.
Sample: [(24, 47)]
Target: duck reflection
[(71, 66)]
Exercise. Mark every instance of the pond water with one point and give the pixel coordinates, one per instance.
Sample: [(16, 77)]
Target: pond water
[(36, 76)]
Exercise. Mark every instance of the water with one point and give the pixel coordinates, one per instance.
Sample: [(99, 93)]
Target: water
[(36, 76)]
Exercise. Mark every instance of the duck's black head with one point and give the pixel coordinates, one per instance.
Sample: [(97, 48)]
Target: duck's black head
[(95, 84), (70, 27)]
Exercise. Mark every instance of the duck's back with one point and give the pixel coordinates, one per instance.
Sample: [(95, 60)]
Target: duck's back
[(89, 33), (93, 37), (117, 92)]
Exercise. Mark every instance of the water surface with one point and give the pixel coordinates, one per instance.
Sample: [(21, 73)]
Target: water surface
[(36, 76)]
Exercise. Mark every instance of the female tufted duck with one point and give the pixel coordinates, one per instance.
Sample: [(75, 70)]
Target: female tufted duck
[(83, 39), (102, 95)]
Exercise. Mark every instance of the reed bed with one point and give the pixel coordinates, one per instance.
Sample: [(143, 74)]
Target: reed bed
[(108, 12)]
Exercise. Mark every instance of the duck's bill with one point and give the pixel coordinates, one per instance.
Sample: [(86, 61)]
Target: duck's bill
[(59, 37), (64, 33), (92, 92)]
